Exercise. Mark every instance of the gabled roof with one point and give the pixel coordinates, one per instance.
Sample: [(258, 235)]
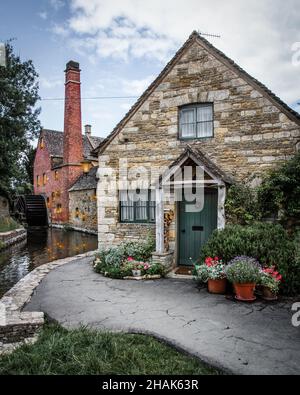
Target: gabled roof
[(86, 181), (54, 142), (196, 37), (197, 156)]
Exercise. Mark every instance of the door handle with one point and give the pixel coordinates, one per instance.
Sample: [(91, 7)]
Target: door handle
[(182, 230)]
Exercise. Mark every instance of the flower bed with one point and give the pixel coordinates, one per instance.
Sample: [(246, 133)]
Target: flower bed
[(129, 260)]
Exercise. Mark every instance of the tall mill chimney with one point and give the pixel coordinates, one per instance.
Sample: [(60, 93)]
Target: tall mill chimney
[(73, 148)]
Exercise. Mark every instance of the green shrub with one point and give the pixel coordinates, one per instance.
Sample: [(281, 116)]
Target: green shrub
[(156, 268), (113, 261), (241, 206), (268, 243), (280, 191), (8, 223)]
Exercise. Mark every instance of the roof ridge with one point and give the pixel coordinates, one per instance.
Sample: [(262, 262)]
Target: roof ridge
[(195, 36), (139, 101)]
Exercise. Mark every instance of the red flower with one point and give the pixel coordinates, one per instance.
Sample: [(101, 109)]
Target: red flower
[(273, 273), (129, 259)]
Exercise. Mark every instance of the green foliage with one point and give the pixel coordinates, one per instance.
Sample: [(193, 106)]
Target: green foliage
[(7, 224), (243, 270), (156, 268), (268, 243), (19, 122), (204, 273), (269, 282), (113, 261), (241, 205), (280, 191), (86, 352), (140, 251)]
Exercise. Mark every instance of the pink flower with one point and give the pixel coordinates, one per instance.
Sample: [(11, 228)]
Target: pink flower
[(129, 259), (209, 261)]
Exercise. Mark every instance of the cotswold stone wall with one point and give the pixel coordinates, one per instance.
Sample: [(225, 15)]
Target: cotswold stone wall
[(13, 236), (83, 209), (250, 133)]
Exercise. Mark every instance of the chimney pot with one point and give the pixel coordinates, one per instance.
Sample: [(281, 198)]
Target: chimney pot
[(72, 65), (88, 130)]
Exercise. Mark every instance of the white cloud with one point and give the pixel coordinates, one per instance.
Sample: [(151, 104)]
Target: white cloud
[(57, 4), (136, 87), (50, 83), (126, 106), (60, 30), (258, 35), (43, 15)]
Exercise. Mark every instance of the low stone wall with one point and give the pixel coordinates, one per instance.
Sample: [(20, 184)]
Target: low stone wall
[(15, 325), (166, 259), (13, 236)]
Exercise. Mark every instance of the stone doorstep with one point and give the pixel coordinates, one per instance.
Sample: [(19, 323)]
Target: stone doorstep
[(172, 274), (19, 325)]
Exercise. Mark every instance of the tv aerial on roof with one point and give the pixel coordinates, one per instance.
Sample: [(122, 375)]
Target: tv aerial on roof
[(209, 34)]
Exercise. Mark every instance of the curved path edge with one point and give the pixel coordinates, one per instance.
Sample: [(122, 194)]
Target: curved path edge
[(16, 325), (237, 338)]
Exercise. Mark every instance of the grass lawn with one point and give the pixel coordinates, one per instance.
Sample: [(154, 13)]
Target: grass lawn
[(7, 224), (84, 351)]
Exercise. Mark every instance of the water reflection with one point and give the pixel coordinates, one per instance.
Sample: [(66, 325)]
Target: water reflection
[(42, 246)]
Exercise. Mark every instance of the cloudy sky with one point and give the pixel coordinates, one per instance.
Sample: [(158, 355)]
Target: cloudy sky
[(122, 45)]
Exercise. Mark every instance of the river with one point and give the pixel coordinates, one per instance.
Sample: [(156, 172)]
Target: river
[(42, 246)]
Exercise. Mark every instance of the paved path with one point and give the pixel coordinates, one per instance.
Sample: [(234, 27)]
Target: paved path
[(242, 338)]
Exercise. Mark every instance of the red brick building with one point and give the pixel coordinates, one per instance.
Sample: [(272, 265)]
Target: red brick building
[(57, 165)]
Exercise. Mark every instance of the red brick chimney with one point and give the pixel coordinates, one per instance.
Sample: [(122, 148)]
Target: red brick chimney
[(73, 148)]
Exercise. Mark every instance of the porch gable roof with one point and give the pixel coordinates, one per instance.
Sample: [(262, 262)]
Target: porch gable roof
[(201, 159)]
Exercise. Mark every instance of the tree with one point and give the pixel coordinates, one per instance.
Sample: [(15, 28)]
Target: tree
[(19, 123)]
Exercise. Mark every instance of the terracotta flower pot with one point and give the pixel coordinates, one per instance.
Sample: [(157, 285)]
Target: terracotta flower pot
[(245, 292), (217, 286), (268, 295)]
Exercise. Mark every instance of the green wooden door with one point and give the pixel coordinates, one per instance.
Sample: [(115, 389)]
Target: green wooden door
[(195, 228)]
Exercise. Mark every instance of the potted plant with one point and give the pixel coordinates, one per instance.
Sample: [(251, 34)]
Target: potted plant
[(244, 273), (137, 267), (213, 273), (270, 281)]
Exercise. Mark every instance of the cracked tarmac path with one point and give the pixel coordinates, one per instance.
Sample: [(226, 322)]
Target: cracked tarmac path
[(241, 338)]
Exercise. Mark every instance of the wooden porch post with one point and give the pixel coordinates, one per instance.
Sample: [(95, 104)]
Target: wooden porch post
[(159, 221), (221, 205)]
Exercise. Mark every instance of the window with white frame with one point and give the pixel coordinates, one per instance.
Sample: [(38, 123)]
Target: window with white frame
[(196, 121), (137, 206)]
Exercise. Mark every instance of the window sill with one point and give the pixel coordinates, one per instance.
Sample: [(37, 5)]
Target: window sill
[(137, 223), (195, 138)]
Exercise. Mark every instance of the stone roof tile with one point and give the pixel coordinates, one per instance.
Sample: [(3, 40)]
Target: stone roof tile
[(86, 181), (54, 142)]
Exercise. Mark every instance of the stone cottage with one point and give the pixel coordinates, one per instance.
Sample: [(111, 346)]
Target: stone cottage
[(83, 202), (203, 112), (58, 163)]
